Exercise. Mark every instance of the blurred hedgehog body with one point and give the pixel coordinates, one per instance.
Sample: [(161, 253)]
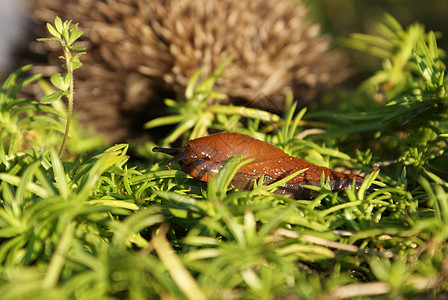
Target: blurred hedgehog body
[(140, 51)]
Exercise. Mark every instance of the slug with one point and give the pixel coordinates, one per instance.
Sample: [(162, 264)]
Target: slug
[(204, 156)]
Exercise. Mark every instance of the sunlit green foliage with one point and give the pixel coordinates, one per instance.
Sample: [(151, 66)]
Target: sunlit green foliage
[(102, 226)]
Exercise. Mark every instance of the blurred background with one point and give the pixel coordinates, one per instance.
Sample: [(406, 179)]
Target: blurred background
[(337, 17), (340, 18), (14, 32)]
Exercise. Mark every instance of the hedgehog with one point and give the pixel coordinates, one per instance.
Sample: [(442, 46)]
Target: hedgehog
[(139, 52)]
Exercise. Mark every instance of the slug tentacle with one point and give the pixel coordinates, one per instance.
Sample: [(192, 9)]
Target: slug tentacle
[(169, 151), (178, 153), (204, 156)]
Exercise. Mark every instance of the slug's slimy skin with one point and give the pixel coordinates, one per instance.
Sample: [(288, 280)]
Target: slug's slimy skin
[(204, 156)]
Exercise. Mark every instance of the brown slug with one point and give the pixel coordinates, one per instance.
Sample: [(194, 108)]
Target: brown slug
[(203, 156)]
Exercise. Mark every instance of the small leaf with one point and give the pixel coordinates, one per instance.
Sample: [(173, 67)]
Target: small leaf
[(189, 90), (67, 79), (58, 24), (53, 31), (78, 55), (48, 40), (74, 34), (65, 35), (163, 121), (52, 97), (59, 175), (76, 65), (78, 48), (58, 81), (75, 61), (440, 79)]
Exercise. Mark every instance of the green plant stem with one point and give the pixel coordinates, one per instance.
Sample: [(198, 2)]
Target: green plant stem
[(70, 100)]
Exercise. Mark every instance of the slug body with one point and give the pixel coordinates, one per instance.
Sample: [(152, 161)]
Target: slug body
[(204, 156)]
